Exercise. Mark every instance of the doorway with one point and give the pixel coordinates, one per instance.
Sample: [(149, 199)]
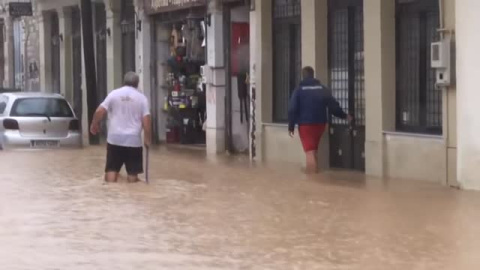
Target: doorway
[(77, 62), (55, 47), (346, 74)]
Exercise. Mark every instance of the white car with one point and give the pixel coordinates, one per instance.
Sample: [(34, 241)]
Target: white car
[(37, 120)]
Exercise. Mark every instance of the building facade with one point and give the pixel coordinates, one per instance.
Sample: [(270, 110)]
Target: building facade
[(19, 68), (375, 55)]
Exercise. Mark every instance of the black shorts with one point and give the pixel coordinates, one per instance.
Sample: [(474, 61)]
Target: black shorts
[(132, 157)]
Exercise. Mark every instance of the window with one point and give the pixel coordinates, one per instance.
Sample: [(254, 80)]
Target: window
[(41, 107), (419, 103), (287, 62)]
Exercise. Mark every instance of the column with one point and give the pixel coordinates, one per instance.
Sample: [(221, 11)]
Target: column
[(468, 125), (262, 67), (9, 54), (45, 51), (215, 82), (315, 54), (66, 67), (143, 51), (379, 23), (114, 45)]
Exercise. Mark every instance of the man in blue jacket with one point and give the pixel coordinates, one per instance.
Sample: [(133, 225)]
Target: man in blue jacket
[(310, 106)]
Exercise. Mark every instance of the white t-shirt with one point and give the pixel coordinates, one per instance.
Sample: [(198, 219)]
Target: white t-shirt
[(126, 108)]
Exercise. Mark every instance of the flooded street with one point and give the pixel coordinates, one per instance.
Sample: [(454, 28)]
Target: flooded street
[(56, 214)]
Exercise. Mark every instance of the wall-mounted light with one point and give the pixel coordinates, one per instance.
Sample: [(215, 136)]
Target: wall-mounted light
[(109, 32), (60, 37)]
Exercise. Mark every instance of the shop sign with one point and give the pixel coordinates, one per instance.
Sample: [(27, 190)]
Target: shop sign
[(156, 6), (19, 9)]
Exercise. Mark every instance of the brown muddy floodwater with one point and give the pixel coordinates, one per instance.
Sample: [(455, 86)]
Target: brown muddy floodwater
[(56, 214)]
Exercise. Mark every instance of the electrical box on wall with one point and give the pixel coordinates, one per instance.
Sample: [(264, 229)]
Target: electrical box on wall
[(441, 61)]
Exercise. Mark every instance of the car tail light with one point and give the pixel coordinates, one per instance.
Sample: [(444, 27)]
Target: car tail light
[(74, 125), (10, 124)]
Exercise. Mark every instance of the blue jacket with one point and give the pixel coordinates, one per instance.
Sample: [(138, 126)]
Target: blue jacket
[(310, 104)]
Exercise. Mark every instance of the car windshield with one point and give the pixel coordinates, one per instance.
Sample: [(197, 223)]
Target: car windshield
[(38, 107)]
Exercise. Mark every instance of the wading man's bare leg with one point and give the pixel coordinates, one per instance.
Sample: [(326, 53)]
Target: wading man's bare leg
[(111, 177)]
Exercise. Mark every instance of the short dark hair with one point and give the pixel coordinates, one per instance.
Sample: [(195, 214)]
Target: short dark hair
[(308, 72), (131, 79)]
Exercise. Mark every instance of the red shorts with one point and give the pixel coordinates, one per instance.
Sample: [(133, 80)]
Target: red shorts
[(310, 136)]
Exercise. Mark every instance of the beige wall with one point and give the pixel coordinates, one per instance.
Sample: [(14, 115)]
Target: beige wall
[(415, 158), (278, 146), (379, 25), (396, 155), (263, 67), (468, 70), (450, 105)]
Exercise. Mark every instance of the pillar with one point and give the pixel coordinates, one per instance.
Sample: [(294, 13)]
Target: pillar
[(143, 50), (114, 45), (262, 67), (9, 54), (450, 106), (66, 67), (45, 51), (379, 23), (315, 53), (468, 125), (215, 82)]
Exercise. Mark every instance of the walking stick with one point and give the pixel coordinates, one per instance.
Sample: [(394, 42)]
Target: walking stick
[(146, 165)]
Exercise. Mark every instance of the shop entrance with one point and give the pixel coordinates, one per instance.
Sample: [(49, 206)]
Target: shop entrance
[(237, 66), (179, 92), (55, 52), (346, 74)]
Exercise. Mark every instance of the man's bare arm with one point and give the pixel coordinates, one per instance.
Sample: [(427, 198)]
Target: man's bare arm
[(147, 130), (97, 118)]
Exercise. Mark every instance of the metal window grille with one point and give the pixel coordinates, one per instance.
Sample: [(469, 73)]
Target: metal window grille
[(419, 103), (359, 68), (286, 54), (347, 76), (339, 66)]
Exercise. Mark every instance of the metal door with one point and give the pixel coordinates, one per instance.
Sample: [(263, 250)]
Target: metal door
[(128, 36), (55, 47), (77, 62), (346, 73)]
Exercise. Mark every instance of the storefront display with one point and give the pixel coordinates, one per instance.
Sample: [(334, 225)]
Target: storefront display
[(185, 103)]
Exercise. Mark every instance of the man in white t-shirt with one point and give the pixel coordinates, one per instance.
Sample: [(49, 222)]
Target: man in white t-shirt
[(128, 113)]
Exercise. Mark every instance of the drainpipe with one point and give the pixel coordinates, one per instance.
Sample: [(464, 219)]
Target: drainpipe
[(441, 18)]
